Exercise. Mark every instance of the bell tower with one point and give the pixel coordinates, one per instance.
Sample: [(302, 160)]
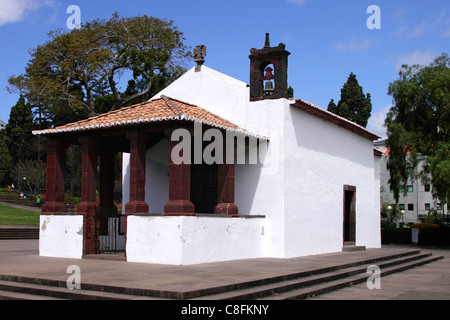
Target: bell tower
[(267, 82)]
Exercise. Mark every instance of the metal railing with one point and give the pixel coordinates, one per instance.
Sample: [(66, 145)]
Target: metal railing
[(110, 225)]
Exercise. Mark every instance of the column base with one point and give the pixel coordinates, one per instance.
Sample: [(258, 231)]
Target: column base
[(227, 208), (133, 207), (179, 208), (90, 241)]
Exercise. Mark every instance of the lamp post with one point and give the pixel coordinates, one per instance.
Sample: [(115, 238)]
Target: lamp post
[(403, 217), (24, 182), (390, 215)]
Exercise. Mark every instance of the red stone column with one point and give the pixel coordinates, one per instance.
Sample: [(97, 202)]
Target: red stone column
[(88, 204), (137, 202), (107, 179), (226, 174), (106, 191), (226, 203), (179, 203), (56, 167)]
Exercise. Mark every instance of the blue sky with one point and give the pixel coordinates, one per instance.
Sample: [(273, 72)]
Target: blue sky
[(328, 39)]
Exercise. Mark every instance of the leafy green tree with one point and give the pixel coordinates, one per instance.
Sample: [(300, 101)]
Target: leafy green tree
[(88, 64), (5, 159), (18, 132), (418, 126), (353, 105), (332, 107)]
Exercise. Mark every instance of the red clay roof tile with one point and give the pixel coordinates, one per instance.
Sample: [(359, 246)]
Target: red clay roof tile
[(157, 110)]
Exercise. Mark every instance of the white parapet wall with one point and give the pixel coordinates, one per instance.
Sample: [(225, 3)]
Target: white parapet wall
[(185, 240), (61, 236)]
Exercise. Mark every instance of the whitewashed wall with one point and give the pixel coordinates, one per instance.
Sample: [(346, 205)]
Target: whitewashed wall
[(320, 158), (192, 240), (61, 236)]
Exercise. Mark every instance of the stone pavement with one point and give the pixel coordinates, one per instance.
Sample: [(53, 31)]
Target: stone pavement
[(432, 281)]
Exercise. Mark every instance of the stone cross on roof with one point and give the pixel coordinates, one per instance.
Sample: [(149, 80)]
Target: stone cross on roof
[(199, 56)]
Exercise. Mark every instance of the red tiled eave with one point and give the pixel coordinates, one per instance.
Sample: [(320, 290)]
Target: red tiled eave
[(329, 116), (157, 110)]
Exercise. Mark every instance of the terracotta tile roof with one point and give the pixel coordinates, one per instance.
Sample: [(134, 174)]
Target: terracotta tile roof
[(329, 116), (157, 110)]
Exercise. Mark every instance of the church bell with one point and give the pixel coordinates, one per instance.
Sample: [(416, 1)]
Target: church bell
[(268, 87)]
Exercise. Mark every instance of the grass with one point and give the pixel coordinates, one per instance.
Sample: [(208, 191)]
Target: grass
[(10, 216)]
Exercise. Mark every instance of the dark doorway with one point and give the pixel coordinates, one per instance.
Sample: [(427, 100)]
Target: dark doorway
[(204, 187), (349, 214)]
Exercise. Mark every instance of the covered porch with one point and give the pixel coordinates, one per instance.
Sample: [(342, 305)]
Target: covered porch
[(134, 130)]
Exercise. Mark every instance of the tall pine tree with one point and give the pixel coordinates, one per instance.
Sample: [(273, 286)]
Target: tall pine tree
[(354, 105), (19, 138)]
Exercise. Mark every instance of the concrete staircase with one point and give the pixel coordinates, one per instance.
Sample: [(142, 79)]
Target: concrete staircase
[(19, 232), (299, 285)]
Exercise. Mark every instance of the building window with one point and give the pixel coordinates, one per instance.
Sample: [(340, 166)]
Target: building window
[(427, 188), (410, 188), (427, 206), (401, 206), (410, 206)]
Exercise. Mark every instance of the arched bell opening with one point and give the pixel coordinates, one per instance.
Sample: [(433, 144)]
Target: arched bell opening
[(268, 80)]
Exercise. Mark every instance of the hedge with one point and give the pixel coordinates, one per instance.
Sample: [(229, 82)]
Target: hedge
[(431, 236), (396, 236), (438, 236)]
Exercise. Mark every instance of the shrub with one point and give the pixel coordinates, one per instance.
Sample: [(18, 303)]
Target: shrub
[(435, 236), (396, 236), (423, 225)]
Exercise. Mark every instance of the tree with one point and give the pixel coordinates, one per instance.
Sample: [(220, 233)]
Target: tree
[(32, 174), (88, 64), (418, 127), (18, 132), (353, 105), (5, 159)]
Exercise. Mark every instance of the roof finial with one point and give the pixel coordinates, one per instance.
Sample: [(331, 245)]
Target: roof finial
[(199, 56), (267, 43)]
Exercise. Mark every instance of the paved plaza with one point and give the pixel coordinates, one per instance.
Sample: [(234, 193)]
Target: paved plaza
[(428, 282)]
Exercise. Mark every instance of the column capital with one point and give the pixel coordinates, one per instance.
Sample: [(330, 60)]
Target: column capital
[(137, 135)]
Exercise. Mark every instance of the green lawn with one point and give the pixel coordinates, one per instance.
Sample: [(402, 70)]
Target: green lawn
[(12, 216)]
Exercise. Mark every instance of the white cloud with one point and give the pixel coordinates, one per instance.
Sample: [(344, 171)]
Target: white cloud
[(376, 122), (417, 57), (417, 28), (353, 45), (16, 10), (298, 2)]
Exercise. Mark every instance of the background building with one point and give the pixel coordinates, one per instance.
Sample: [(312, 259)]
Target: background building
[(418, 200)]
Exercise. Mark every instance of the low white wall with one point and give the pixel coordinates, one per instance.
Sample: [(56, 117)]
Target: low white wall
[(61, 236), (192, 240)]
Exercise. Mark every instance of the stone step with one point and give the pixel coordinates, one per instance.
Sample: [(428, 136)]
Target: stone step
[(34, 291), (266, 281), (353, 248), (321, 288), (12, 233), (312, 279), (9, 295)]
